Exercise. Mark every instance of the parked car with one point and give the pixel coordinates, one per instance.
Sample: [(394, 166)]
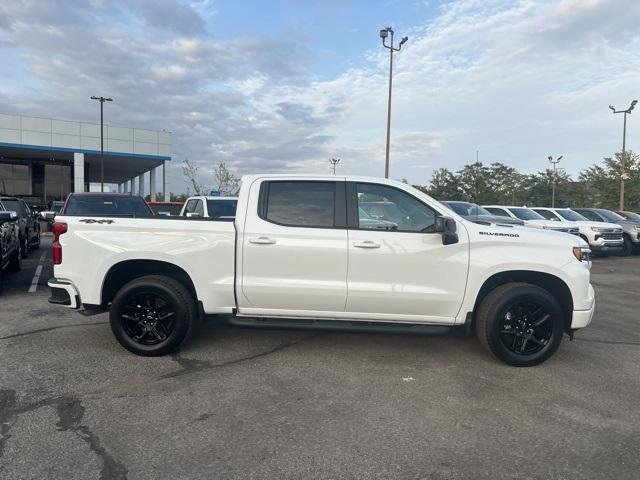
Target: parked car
[(602, 238), (367, 221), (10, 249), (475, 213), (210, 207), (630, 216), (297, 256), (532, 219), (631, 235), (169, 209), (106, 205), (28, 223)]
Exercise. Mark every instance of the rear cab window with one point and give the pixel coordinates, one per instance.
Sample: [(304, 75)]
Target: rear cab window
[(107, 206), (299, 203)]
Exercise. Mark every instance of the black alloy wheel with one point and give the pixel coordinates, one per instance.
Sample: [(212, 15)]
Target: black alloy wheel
[(152, 315), (147, 318), (527, 327)]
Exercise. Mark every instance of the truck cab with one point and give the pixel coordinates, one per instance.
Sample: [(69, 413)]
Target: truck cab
[(299, 253)]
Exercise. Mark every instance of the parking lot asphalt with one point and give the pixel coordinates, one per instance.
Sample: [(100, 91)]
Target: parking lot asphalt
[(237, 403)]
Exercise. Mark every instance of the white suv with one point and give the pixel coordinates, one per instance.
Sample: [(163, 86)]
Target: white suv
[(532, 219), (602, 237)]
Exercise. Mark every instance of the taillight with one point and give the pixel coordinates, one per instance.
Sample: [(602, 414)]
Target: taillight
[(58, 228)]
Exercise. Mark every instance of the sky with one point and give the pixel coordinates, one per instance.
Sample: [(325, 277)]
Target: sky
[(284, 85)]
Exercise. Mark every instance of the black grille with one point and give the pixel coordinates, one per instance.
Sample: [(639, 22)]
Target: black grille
[(612, 236)]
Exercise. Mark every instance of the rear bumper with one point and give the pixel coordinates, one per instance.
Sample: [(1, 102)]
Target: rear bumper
[(63, 293), (582, 318)]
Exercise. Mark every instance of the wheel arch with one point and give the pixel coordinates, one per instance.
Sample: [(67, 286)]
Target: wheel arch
[(123, 272), (547, 281)]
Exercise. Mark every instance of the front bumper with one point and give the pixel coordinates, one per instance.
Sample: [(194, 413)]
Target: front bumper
[(63, 293), (607, 247), (582, 318)]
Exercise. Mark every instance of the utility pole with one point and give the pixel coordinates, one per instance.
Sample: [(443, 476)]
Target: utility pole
[(102, 100), (334, 162), (553, 181), (384, 33), (624, 147)]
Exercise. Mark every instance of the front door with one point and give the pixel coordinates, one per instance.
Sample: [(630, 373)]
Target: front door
[(294, 250), (399, 270)]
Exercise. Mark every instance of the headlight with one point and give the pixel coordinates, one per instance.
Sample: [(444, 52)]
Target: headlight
[(581, 253), (634, 228), (597, 229)]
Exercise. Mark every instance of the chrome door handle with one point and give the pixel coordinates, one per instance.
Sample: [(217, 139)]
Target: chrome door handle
[(262, 241), (366, 244)]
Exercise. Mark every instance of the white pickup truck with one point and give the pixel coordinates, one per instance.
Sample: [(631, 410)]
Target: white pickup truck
[(297, 256)]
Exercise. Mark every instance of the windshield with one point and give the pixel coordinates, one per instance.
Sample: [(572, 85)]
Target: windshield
[(107, 205), (570, 215), (632, 216), (467, 208), (170, 209), (525, 214), (611, 216), (222, 208)]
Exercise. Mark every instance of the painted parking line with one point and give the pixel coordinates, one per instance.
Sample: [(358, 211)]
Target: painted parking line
[(36, 275)]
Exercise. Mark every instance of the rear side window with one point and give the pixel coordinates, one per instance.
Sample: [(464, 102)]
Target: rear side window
[(300, 204), (191, 206), (107, 205)]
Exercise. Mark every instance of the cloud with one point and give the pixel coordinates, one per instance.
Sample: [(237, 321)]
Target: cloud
[(516, 80)]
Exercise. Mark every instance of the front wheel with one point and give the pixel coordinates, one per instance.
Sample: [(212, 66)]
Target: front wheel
[(152, 315), (627, 248), (520, 323)]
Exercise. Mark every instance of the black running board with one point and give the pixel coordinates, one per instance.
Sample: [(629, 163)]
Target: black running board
[(339, 325)]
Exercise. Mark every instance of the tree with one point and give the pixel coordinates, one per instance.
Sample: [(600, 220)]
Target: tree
[(475, 183), (190, 171), (225, 182), (443, 185)]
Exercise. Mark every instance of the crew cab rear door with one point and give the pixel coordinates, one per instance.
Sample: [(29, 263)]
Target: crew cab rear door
[(399, 269), (294, 249)]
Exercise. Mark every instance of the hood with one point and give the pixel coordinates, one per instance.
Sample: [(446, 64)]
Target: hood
[(589, 224), (493, 219), (551, 225), (534, 237)]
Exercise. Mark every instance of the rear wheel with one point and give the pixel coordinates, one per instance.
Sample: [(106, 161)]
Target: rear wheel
[(15, 264), (520, 323), (24, 247), (152, 315)]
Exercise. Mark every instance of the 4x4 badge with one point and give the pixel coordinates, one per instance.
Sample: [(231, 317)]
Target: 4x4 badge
[(91, 220)]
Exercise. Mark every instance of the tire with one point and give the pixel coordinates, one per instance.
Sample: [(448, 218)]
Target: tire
[(628, 247), (509, 310), (15, 264), (24, 247), (152, 315), (36, 244)]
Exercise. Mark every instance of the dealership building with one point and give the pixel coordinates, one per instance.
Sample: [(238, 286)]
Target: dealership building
[(47, 158)]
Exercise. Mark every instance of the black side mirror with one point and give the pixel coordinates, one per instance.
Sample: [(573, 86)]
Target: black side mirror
[(447, 226)]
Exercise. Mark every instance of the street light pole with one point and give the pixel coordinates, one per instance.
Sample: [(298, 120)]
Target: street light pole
[(384, 33), (624, 147), (102, 100), (553, 182), (334, 162)]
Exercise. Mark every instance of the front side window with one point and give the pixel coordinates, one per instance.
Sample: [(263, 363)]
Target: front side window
[(301, 204), (388, 208), (610, 216), (199, 209)]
